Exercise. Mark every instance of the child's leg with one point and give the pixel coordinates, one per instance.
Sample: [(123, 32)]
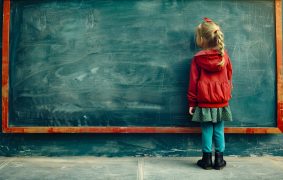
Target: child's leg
[(207, 133), (218, 133)]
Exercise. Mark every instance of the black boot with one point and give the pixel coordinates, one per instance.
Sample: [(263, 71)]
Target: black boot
[(219, 162), (206, 161)]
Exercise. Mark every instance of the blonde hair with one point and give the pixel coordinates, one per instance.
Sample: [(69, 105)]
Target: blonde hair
[(213, 36)]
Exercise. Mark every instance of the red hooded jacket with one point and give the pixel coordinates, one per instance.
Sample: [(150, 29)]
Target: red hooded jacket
[(210, 84)]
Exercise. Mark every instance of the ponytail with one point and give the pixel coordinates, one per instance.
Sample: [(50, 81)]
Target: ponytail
[(220, 45)]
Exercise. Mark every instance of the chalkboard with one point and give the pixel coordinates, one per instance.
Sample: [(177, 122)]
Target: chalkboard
[(126, 63)]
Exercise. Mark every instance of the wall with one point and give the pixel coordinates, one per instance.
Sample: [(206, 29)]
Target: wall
[(132, 145)]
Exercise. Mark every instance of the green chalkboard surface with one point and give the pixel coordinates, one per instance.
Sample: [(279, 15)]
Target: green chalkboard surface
[(126, 63)]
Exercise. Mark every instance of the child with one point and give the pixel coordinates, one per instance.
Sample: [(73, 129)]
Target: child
[(210, 90)]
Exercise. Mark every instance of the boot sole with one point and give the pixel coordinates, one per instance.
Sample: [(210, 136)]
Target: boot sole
[(219, 168), (206, 168)]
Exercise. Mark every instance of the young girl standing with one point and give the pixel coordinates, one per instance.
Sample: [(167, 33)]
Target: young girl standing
[(209, 91)]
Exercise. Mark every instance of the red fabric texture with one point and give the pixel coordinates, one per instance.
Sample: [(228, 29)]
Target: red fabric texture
[(210, 85)]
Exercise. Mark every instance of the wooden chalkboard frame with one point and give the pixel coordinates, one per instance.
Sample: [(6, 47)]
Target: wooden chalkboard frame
[(116, 129)]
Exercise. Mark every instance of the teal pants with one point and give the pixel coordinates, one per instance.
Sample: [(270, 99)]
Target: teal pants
[(212, 131)]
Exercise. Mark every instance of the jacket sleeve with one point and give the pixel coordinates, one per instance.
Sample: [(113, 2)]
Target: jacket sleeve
[(229, 71), (192, 89)]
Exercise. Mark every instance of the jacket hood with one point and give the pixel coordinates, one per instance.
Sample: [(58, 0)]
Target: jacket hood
[(208, 60)]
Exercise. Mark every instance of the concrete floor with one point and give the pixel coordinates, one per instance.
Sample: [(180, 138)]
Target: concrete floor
[(60, 168)]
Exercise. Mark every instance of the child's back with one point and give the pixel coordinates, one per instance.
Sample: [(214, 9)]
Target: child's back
[(213, 86)]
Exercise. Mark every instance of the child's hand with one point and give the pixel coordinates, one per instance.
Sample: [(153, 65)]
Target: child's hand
[(191, 110)]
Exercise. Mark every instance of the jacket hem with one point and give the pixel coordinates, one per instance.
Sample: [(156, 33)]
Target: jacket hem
[(193, 105), (211, 105)]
